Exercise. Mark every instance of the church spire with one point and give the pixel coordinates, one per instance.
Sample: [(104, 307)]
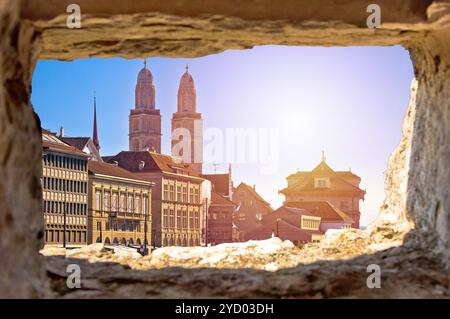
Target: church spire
[(145, 89), (94, 132), (186, 93)]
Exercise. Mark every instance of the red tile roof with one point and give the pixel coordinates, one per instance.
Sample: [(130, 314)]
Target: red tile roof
[(323, 209), (63, 148), (338, 181), (255, 195), (101, 168), (219, 200), (220, 182), (78, 142), (324, 168), (153, 161)]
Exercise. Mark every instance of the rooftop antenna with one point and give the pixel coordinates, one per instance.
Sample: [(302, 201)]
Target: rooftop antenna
[(145, 63)]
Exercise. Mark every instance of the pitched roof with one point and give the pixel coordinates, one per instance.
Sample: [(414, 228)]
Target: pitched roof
[(253, 192), (338, 181), (217, 199), (324, 168), (220, 182), (337, 184), (53, 143), (323, 209), (101, 168), (78, 142), (293, 210), (130, 160)]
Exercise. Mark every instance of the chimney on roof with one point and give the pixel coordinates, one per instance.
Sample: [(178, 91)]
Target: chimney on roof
[(61, 131), (254, 187), (141, 165)]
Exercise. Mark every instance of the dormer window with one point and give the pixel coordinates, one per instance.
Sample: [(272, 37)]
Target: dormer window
[(321, 182)]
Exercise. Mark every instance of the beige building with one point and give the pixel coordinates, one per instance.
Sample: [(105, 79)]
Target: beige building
[(64, 190), (119, 206), (177, 206), (338, 188)]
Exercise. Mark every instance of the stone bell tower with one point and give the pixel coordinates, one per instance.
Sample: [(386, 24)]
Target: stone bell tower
[(145, 119), (187, 126)]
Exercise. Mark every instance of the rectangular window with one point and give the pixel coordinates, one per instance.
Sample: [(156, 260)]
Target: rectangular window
[(178, 212), (191, 195), (197, 196), (191, 219), (166, 192), (172, 218), (130, 203), (137, 204), (123, 203), (98, 200), (179, 193), (107, 201), (165, 218), (114, 202), (172, 192), (185, 196), (185, 218), (197, 220), (144, 205)]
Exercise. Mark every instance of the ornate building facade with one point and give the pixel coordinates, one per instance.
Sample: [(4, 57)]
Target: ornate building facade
[(177, 205), (187, 125), (145, 118), (119, 206), (64, 184)]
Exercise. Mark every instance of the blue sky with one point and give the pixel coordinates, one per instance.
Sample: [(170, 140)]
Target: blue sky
[(349, 102)]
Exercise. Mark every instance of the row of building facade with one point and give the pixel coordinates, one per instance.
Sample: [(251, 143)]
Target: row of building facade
[(142, 196)]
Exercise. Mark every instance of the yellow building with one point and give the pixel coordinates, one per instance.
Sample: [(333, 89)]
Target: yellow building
[(119, 206)]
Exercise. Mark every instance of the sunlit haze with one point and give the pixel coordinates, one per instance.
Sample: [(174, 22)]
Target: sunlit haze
[(349, 102)]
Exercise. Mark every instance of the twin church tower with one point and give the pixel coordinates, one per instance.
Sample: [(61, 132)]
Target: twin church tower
[(187, 127)]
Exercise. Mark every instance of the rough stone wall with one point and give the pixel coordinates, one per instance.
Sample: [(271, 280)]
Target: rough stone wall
[(21, 222), (428, 190), (177, 28)]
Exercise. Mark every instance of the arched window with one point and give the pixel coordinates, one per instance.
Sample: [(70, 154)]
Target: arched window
[(107, 241), (123, 242), (115, 241)]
